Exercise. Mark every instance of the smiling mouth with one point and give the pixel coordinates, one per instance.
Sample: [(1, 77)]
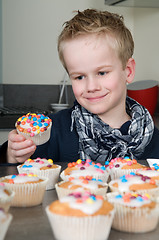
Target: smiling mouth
[(95, 99)]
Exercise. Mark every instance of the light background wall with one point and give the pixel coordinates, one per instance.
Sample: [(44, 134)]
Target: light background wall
[(30, 29)]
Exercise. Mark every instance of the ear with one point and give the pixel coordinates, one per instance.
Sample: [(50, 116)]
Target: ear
[(130, 70)]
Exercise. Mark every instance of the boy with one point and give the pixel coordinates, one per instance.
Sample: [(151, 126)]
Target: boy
[(96, 49)]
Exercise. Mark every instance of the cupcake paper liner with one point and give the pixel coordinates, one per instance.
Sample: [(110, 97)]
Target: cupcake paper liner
[(52, 174), (27, 194), (103, 177), (40, 138), (134, 220), (80, 228), (4, 225), (5, 203), (61, 192)]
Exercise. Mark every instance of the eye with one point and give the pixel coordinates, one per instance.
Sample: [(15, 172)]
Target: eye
[(79, 77), (102, 73)]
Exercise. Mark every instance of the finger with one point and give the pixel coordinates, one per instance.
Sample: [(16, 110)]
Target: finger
[(15, 137), (14, 156), (21, 145), (23, 154)]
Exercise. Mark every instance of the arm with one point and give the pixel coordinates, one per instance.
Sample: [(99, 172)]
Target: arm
[(62, 146)]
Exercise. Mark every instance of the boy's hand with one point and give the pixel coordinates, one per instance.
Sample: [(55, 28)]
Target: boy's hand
[(19, 148)]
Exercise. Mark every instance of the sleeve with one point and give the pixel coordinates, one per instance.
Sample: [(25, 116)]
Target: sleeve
[(3, 153), (152, 149)]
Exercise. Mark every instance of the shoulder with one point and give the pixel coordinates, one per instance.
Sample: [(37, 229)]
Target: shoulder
[(61, 124), (61, 119), (61, 115)]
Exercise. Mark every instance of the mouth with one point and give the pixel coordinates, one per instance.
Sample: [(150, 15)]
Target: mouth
[(97, 98)]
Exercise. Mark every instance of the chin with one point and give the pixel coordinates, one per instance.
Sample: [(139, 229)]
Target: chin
[(96, 111)]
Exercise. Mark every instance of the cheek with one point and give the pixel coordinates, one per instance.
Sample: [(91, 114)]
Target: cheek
[(112, 84), (76, 89), (116, 82)]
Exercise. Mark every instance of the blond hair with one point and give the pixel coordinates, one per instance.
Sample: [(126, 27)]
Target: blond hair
[(92, 21)]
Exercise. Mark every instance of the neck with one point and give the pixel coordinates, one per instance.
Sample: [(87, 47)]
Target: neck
[(115, 120)]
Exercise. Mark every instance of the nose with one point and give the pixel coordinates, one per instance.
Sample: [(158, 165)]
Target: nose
[(92, 84)]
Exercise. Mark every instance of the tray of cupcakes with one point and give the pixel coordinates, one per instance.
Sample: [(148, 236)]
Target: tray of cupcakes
[(92, 197)]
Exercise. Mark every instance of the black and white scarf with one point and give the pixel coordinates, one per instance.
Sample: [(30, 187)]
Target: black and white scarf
[(99, 142)]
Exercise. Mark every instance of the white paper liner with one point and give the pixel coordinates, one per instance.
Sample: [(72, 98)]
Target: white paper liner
[(52, 174), (80, 228), (154, 192), (5, 203), (103, 177), (40, 138), (27, 194), (4, 226), (61, 192), (117, 173), (134, 220)]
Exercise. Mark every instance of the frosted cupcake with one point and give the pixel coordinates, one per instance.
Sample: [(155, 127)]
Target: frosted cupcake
[(6, 197), (120, 166), (42, 168), (81, 184), (5, 220), (37, 127), (29, 189), (85, 168), (134, 213), (135, 183), (150, 172), (82, 216)]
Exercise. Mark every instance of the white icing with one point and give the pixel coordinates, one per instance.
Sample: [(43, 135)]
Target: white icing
[(88, 171), (92, 184), (118, 164), (149, 173), (38, 123), (87, 208), (23, 179), (36, 165), (132, 203), (124, 186)]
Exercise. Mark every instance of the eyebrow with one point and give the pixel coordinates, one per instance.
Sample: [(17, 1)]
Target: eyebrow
[(97, 69)]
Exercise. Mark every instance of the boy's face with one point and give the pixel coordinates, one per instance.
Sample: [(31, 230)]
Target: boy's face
[(98, 79)]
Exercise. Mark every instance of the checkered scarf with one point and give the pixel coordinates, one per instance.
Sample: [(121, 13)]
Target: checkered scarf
[(99, 142)]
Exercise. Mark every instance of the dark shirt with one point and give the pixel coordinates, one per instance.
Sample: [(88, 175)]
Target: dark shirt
[(63, 145)]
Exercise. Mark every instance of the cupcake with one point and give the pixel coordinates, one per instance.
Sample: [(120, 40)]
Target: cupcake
[(6, 197), (5, 220), (134, 213), (81, 184), (85, 168), (117, 167), (134, 183), (153, 163), (82, 216), (29, 189), (150, 172), (42, 168), (37, 127)]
